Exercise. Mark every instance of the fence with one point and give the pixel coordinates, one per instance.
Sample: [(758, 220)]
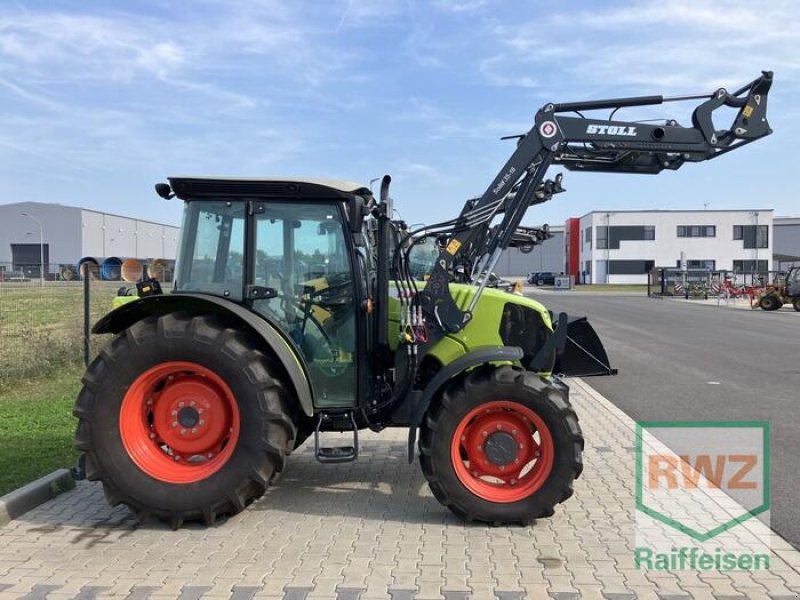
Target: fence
[(42, 322), (702, 283)]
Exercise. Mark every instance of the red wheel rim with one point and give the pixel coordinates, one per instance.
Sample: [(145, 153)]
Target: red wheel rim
[(179, 422), (522, 472)]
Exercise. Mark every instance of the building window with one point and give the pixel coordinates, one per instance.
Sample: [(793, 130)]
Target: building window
[(630, 267), (610, 237), (752, 237), (708, 265), (701, 231), (762, 236), (749, 266), (602, 240), (587, 237)]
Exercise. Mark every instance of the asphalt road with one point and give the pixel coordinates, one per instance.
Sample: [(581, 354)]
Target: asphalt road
[(667, 354)]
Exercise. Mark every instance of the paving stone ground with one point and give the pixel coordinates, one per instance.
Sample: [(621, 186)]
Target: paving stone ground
[(370, 530)]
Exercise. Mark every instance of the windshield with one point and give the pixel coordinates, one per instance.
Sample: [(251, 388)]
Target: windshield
[(212, 249)]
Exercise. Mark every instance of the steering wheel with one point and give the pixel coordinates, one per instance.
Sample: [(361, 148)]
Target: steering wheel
[(335, 294), (330, 351)]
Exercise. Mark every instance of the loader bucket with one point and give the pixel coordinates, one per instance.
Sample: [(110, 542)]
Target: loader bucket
[(583, 354)]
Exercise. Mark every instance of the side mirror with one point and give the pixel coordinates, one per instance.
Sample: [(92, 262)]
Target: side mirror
[(163, 190)]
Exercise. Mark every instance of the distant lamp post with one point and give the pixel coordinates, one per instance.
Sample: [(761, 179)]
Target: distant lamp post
[(608, 246), (758, 241), (41, 247)]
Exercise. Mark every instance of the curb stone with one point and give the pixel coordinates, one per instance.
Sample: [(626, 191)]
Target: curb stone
[(18, 502)]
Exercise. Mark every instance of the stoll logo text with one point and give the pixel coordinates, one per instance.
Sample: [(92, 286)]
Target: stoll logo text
[(699, 487)]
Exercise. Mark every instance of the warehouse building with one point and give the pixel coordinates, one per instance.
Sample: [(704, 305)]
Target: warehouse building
[(623, 246), (32, 233), (547, 256), (786, 249)]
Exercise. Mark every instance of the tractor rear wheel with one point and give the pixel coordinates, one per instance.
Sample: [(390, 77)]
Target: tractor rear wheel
[(501, 446), (183, 419)]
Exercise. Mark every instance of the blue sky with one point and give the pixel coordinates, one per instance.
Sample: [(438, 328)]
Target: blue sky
[(99, 100)]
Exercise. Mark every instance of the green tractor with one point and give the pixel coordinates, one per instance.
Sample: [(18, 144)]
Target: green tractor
[(300, 307)]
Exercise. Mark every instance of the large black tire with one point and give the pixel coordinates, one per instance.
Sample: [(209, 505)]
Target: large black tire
[(266, 424), (769, 302), (481, 387), (796, 303)]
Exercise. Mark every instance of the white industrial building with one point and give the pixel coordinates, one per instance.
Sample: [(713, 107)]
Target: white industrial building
[(623, 246), (62, 235)]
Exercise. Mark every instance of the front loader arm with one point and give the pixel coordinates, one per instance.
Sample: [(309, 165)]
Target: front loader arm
[(582, 144)]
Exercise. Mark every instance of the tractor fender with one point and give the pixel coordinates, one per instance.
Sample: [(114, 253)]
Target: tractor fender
[(126, 315), (422, 399)]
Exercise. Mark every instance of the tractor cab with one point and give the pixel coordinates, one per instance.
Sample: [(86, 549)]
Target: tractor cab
[(793, 282), (285, 250)]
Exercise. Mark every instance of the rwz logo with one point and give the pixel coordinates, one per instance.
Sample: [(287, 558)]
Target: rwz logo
[(626, 130)]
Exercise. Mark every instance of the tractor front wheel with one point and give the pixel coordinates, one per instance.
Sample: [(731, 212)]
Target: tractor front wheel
[(501, 446), (769, 302), (184, 419), (796, 303)]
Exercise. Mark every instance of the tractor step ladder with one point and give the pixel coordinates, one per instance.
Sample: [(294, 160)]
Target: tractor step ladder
[(336, 454)]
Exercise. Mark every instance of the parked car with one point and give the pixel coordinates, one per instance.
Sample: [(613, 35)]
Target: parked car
[(542, 278)]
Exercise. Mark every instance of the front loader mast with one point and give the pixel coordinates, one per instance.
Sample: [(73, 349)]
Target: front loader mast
[(584, 144)]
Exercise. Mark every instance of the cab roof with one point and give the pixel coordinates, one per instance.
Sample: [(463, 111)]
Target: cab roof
[(199, 188)]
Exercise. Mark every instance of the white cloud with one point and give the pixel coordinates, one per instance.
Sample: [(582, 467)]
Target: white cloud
[(162, 58), (653, 45), (461, 6), (419, 169)]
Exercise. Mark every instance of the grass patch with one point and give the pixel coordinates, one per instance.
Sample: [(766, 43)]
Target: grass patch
[(36, 426), (41, 328)]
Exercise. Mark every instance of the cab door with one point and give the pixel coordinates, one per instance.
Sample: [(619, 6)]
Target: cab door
[(301, 252)]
